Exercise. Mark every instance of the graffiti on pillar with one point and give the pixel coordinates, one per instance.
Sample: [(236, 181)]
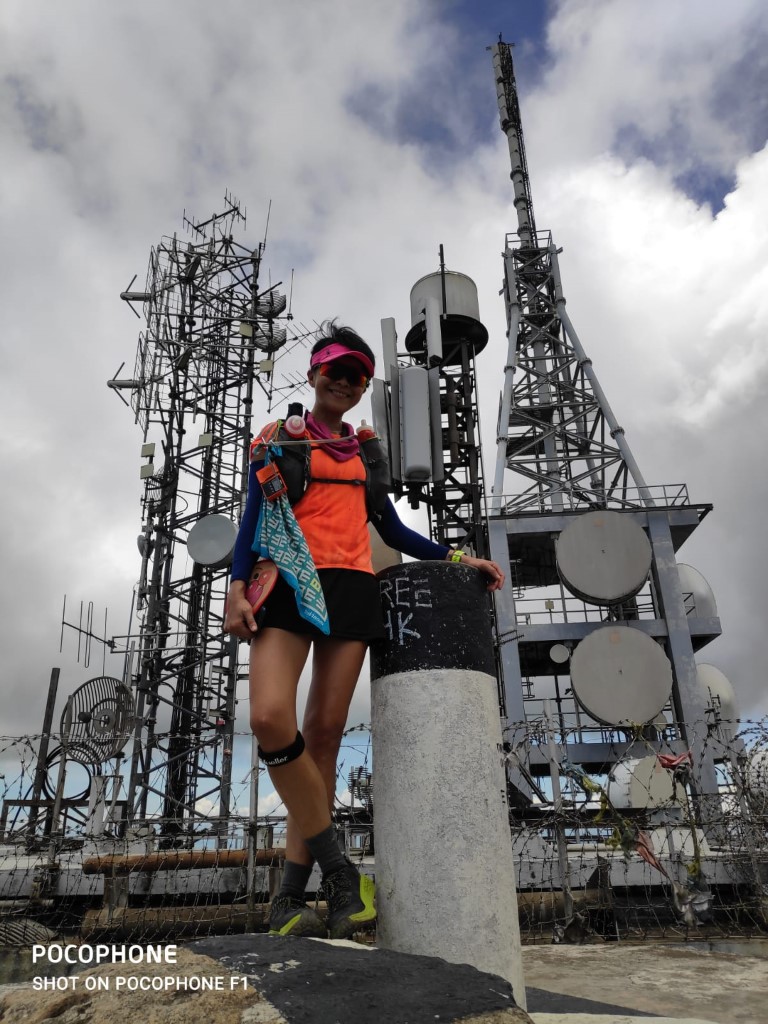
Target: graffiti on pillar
[(400, 596)]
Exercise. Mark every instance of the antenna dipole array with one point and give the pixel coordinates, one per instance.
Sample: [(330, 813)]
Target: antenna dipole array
[(211, 340)]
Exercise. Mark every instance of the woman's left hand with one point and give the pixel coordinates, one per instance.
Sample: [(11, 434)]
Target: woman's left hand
[(491, 569)]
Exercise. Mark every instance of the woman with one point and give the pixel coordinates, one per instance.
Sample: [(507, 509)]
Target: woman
[(333, 519)]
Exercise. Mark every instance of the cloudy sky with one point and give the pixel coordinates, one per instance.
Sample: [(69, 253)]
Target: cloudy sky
[(373, 130)]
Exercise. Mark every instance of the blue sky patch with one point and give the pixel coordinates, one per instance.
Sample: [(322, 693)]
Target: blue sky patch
[(448, 109)]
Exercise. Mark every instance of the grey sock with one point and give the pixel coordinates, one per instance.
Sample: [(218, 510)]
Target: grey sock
[(295, 878), (324, 847)]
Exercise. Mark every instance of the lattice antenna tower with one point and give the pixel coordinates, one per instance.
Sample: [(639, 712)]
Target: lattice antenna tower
[(561, 454), (211, 337)]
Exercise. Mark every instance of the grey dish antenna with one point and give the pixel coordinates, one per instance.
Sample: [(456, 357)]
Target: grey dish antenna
[(603, 557), (97, 720), (211, 541), (621, 676)]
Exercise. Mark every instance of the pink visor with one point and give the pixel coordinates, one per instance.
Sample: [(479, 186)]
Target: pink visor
[(335, 351)]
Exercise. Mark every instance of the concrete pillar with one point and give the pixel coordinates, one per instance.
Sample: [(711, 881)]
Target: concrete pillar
[(445, 875)]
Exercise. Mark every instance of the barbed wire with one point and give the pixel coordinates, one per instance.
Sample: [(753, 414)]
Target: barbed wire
[(632, 848)]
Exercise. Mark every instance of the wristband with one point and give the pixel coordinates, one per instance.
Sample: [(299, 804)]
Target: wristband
[(457, 555)]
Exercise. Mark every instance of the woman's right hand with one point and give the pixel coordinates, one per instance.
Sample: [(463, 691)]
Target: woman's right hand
[(239, 620)]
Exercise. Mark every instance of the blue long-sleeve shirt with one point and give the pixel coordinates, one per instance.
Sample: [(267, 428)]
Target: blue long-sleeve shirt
[(388, 525)]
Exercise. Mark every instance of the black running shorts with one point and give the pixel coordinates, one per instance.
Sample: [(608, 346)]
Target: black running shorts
[(352, 599)]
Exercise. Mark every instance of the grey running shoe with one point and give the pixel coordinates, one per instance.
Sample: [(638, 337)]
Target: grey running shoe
[(350, 897), (291, 916)]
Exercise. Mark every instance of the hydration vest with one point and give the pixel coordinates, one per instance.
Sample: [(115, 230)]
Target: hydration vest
[(295, 468)]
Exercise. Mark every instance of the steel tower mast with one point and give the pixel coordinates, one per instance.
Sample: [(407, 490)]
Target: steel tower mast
[(561, 454), (210, 336)]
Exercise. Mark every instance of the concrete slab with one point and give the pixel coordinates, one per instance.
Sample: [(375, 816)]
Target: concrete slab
[(679, 982), (600, 1018)]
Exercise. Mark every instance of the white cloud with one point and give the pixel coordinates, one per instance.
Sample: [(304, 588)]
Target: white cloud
[(670, 77), (270, 803)]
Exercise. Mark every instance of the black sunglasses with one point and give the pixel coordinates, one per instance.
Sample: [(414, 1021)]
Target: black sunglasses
[(344, 371)]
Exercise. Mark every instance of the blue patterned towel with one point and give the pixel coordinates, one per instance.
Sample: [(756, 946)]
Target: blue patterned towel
[(278, 536)]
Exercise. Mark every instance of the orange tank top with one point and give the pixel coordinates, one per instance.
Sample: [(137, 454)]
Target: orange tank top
[(333, 516)]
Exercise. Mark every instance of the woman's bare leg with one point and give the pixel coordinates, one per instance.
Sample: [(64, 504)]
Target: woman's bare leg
[(277, 658), (336, 667)]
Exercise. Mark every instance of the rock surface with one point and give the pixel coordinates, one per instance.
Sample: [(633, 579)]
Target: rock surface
[(316, 982), (77, 1005)]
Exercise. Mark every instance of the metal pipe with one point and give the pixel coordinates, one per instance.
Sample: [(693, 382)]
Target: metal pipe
[(557, 799), (174, 860), (42, 754)]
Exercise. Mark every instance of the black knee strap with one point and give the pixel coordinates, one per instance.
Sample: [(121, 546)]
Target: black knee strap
[(280, 757)]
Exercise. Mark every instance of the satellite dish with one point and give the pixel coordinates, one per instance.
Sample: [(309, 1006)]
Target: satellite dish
[(621, 676), (756, 779), (716, 691), (211, 541), (97, 720), (559, 653), (25, 931), (271, 304), (271, 339), (640, 783), (603, 558), (697, 593)]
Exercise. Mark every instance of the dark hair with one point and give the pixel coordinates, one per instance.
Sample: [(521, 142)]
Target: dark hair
[(329, 332)]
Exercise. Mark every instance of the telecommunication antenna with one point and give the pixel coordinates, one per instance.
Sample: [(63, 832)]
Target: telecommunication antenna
[(427, 404), (86, 633), (596, 619), (211, 341)]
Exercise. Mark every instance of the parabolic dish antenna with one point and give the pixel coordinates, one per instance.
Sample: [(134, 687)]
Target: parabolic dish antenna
[(620, 676), (697, 593), (97, 720), (211, 541), (717, 694), (716, 688), (559, 653), (640, 783), (603, 557), (756, 779)]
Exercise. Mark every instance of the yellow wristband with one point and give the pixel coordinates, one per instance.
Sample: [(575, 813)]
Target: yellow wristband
[(456, 556)]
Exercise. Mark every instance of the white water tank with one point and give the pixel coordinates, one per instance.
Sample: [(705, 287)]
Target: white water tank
[(460, 295), (459, 316)]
